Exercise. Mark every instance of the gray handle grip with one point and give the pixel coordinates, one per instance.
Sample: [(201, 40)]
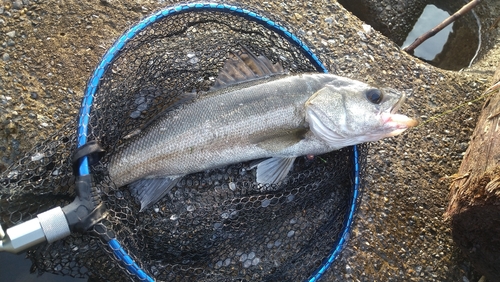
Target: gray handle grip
[(48, 226)]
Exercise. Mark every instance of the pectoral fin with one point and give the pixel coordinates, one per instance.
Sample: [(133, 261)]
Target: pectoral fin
[(280, 140), (149, 190), (273, 170)]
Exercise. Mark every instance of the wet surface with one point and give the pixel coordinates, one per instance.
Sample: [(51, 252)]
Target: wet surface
[(431, 16), (456, 46), (453, 48), (399, 234)]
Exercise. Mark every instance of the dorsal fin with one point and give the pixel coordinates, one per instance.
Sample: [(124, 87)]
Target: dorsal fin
[(245, 67)]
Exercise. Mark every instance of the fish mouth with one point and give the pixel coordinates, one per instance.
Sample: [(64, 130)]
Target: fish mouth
[(398, 104), (398, 122)]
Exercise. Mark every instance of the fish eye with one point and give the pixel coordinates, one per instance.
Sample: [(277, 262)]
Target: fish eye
[(374, 95)]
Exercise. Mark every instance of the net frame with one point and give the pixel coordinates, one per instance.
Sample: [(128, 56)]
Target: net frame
[(106, 61)]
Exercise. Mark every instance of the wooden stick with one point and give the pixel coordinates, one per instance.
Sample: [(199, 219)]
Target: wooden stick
[(474, 207), (442, 25)]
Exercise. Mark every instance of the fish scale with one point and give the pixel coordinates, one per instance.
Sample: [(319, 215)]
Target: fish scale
[(210, 123)]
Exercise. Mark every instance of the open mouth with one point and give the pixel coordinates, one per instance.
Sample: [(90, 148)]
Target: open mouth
[(398, 121), (398, 104)]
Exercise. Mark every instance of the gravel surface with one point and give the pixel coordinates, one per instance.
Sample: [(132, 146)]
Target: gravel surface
[(49, 48)]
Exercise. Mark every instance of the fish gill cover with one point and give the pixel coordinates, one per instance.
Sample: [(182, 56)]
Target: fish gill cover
[(216, 225)]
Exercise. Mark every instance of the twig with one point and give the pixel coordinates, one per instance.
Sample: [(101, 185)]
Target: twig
[(495, 24), (442, 25)]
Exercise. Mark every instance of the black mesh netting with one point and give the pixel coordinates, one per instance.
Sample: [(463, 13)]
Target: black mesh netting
[(214, 225)]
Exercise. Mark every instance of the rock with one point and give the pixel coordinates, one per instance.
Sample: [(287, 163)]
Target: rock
[(6, 57), (11, 34), (17, 4), (11, 128)]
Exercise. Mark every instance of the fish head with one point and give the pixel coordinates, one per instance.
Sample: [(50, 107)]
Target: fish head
[(348, 112)]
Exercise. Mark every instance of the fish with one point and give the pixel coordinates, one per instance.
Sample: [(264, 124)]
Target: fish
[(255, 111)]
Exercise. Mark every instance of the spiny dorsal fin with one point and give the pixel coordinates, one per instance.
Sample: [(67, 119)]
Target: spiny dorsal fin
[(245, 67), (261, 65)]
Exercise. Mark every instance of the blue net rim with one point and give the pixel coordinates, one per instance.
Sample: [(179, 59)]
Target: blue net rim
[(110, 55)]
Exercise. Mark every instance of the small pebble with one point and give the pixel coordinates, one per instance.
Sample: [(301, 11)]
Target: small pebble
[(367, 28), (11, 34), (17, 4), (194, 60), (140, 100), (243, 257), (247, 264), (266, 203), (5, 57), (135, 114)]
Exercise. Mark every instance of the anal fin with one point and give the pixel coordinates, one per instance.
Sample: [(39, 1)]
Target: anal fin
[(149, 190)]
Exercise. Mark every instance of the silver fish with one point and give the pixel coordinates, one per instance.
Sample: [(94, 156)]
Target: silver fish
[(278, 117)]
